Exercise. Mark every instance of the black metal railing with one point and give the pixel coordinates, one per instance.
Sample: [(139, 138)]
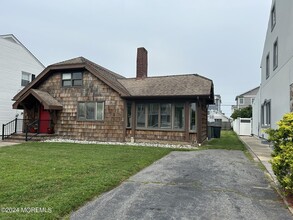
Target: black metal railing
[(12, 127), (29, 127), (32, 130), (9, 128)]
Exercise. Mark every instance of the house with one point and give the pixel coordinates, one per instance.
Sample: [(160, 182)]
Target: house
[(18, 67), (216, 116), (245, 99), (217, 105), (275, 96), (82, 100)]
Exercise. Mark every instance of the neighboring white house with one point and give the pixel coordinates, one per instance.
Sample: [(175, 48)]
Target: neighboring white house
[(245, 99), (217, 105), (275, 97), (216, 116), (18, 66)]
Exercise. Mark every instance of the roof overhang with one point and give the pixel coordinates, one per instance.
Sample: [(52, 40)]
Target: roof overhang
[(44, 98)]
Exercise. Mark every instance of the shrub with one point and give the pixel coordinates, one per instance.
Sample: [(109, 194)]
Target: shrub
[(282, 161)]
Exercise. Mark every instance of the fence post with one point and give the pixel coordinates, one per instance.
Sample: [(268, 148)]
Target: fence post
[(3, 126), (26, 132), (15, 129)]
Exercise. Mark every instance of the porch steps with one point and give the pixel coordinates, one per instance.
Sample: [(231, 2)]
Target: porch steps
[(20, 137)]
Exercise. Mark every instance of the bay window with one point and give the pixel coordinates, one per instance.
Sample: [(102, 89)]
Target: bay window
[(179, 121), (165, 111), (140, 119), (169, 116), (153, 115)]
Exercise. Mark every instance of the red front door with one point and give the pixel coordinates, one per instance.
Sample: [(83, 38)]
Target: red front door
[(44, 120)]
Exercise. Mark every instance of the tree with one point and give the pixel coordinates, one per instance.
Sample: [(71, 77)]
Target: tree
[(242, 113)]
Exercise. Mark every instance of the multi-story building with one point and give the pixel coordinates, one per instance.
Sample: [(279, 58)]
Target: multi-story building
[(18, 67), (275, 96), (245, 99)]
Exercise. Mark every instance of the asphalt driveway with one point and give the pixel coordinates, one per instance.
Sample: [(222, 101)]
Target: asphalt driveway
[(211, 184)]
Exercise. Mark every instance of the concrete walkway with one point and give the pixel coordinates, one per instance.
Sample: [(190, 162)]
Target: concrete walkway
[(7, 143), (261, 150)]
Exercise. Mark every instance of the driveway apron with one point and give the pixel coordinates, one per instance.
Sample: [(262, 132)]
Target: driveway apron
[(210, 184)]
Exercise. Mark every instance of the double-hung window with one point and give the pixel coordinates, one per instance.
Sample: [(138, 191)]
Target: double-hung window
[(129, 115), (179, 119), (25, 78), (193, 117), (268, 66), (140, 119), (165, 115), (275, 58), (153, 115), (72, 79), (273, 17), (90, 111), (266, 114), (241, 101)]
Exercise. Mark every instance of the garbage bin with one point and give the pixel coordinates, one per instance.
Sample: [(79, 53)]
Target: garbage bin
[(210, 132), (217, 131)]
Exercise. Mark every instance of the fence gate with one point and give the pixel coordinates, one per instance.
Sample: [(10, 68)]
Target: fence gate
[(242, 126)]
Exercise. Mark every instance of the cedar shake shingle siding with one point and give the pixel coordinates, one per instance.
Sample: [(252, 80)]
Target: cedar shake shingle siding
[(68, 125), (115, 92)]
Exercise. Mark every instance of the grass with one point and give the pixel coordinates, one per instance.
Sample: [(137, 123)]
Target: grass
[(228, 141), (57, 178), (49, 180)]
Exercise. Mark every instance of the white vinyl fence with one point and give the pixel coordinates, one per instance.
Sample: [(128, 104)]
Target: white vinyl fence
[(242, 126)]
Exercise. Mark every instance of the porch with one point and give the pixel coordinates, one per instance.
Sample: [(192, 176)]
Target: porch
[(40, 116)]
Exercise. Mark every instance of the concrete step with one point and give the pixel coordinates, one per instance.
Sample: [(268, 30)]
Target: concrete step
[(20, 137)]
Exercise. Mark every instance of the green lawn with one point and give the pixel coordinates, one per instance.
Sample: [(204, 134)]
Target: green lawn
[(57, 178), (49, 180), (228, 141)]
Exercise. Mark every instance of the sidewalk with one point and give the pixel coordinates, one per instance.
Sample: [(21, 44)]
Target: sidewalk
[(261, 151), (7, 143)]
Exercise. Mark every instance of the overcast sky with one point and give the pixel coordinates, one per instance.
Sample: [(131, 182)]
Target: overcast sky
[(218, 39)]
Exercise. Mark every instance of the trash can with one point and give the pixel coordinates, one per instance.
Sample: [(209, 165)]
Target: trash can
[(210, 132), (217, 131)]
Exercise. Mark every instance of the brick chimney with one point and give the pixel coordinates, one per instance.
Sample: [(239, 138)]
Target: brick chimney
[(141, 63)]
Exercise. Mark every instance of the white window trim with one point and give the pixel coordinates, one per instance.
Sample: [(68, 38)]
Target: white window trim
[(159, 127), (96, 109)]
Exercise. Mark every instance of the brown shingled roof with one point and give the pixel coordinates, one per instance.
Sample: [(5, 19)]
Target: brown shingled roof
[(107, 76), (43, 97), (177, 85), (172, 86)]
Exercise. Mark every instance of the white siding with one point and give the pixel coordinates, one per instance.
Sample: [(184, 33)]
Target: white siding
[(276, 88), (14, 58)]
